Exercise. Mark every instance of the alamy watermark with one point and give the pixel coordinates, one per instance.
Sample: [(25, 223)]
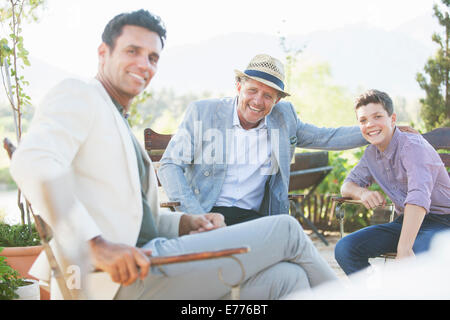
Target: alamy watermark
[(236, 147)]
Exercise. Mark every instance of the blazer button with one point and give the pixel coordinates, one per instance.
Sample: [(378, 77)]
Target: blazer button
[(206, 173)]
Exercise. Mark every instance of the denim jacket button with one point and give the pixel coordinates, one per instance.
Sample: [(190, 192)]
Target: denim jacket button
[(197, 191), (206, 173)]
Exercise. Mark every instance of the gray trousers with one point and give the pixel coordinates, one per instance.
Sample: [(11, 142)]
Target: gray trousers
[(282, 260)]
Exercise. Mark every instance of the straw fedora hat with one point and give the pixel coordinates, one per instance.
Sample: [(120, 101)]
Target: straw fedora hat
[(265, 69)]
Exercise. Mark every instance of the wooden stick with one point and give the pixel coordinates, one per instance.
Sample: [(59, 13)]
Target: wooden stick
[(159, 261)]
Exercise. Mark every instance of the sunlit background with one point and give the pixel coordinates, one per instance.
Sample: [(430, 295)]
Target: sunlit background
[(336, 50)]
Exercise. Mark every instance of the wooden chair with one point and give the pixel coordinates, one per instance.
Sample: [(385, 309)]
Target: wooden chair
[(307, 172), (155, 144), (440, 140), (54, 191)]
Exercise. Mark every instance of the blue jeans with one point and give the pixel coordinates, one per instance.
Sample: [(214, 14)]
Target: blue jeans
[(353, 251)]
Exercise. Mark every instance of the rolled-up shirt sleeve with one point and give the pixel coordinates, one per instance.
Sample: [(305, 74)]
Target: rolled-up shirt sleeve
[(360, 174), (422, 170)]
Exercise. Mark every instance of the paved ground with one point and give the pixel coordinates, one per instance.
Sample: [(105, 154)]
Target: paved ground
[(328, 251)]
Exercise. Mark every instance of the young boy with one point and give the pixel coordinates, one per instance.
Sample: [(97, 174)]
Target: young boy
[(411, 174)]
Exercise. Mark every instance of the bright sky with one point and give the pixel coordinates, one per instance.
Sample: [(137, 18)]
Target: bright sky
[(69, 32)]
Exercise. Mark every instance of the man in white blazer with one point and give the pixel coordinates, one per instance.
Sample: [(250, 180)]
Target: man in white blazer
[(81, 126)]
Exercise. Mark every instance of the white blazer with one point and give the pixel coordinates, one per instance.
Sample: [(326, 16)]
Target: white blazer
[(78, 128)]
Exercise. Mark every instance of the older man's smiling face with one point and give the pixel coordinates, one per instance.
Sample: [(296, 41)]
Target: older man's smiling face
[(255, 101)]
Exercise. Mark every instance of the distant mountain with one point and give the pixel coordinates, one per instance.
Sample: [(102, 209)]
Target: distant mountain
[(358, 56), (420, 28), (209, 65), (371, 58)]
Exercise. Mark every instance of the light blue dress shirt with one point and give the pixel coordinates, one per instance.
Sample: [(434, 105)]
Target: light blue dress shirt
[(245, 179)]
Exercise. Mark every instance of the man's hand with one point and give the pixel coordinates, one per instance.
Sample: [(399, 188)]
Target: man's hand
[(372, 199), (407, 129), (195, 223), (123, 263)]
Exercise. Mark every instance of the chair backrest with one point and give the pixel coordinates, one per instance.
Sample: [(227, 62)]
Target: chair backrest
[(155, 143), (440, 140), (308, 170)]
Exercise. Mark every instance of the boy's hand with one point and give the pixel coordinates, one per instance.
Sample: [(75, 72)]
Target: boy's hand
[(372, 199)]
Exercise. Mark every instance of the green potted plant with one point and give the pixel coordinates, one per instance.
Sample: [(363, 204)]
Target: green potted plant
[(14, 286), (21, 242)]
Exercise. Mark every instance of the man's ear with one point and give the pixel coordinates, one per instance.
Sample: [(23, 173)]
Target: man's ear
[(102, 51), (238, 86), (278, 100)]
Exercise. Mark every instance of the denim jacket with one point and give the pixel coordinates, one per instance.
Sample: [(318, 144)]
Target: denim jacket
[(193, 167)]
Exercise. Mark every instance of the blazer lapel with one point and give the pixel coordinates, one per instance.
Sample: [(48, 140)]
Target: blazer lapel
[(277, 137), (126, 142)]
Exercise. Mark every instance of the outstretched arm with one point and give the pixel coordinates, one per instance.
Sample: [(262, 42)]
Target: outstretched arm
[(313, 137)]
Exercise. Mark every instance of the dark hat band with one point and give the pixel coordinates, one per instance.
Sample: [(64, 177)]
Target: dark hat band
[(265, 76)]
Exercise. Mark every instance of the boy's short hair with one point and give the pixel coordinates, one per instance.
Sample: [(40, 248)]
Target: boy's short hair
[(140, 18), (375, 96)]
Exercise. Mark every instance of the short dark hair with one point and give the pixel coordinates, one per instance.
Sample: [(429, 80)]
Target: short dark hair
[(375, 96), (140, 18)]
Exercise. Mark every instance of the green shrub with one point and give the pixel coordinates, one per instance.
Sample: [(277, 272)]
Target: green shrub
[(10, 280), (18, 235)]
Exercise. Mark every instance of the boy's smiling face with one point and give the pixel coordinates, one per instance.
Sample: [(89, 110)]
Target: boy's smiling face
[(377, 127)]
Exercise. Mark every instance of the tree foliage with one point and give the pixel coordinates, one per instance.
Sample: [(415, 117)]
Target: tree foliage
[(13, 58), (316, 98), (435, 110)]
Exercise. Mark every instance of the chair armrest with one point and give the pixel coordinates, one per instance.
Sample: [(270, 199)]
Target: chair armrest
[(345, 199), (295, 196), (170, 205), (157, 261), (340, 200)]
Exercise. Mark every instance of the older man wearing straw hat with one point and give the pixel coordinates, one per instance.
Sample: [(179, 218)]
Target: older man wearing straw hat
[(233, 155)]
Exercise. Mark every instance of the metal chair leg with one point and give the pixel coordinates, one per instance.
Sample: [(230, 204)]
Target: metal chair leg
[(340, 214), (235, 288), (297, 209)]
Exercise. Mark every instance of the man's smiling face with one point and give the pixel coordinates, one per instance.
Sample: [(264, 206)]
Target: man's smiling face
[(132, 63), (255, 101)]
